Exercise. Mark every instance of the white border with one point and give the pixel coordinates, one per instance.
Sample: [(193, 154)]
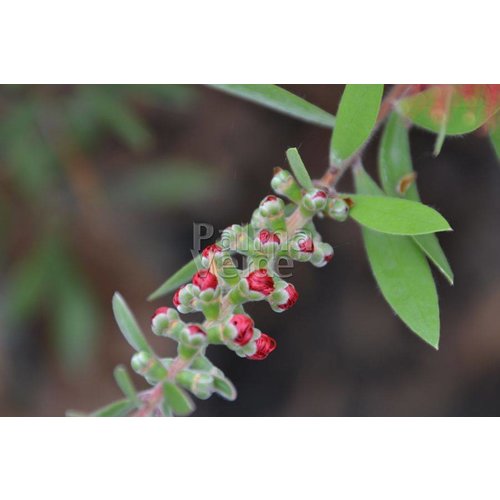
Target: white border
[(249, 458)]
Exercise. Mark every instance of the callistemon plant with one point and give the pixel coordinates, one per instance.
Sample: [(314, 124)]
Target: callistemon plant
[(398, 232)]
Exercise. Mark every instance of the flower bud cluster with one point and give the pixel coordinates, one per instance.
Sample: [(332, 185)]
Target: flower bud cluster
[(220, 288)]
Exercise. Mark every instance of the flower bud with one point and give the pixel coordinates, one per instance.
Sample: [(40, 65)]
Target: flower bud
[(148, 366), (235, 238), (244, 329), (265, 346), (323, 253), (208, 254), (314, 201), (284, 184), (205, 280), (183, 299), (271, 206), (337, 209), (260, 281), (164, 320), (192, 335), (199, 383), (301, 246), (267, 241), (284, 297)]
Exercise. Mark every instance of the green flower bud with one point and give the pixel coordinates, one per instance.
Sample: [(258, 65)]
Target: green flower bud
[(314, 201), (284, 184), (337, 209), (301, 246), (148, 366), (323, 253), (272, 206), (199, 383)]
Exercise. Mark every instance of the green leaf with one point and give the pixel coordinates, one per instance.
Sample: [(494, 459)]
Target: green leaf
[(183, 275), (395, 164), (279, 99), (128, 325), (356, 117), (126, 385), (224, 387), (117, 409), (495, 135), (403, 274), (463, 115), (396, 216), (177, 399), (299, 169)]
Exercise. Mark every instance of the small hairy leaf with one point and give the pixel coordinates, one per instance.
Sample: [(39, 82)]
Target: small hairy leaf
[(396, 216), (183, 275), (224, 387), (128, 325), (117, 409), (403, 275), (356, 117), (126, 385), (279, 99), (445, 104), (394, 163), (177, 399), (299, 169)]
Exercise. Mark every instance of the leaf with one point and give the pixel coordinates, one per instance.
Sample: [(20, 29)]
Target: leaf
[(279, 99), (495, 135), (299, 169), (177, 399), (429, 110), (396, 216), (126, 385), (183, 275), (224, 387), (403, 275), (394, 163), (128, 325), (356, 117), (117, 409)]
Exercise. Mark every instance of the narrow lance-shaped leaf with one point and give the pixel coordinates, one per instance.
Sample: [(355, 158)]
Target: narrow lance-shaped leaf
[(396, 216), (117, 409), (183, 275), (402, 273), (299, 169), (395, 165), (356, 117), (126, 385), (128, 325), (279, 99), (464, 114), (177, 399)]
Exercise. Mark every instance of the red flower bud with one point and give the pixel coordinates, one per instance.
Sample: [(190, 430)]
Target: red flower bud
[(260, 281), (320, 194), (160, 310), (244, 327), (211, 249), (204, 280), (271, 197), (265, 346), (195, 329), (328, 257), (266, 236), (175, 299), (306, 245), (293, 296)]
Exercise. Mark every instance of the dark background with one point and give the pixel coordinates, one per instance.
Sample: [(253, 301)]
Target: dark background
[(99, 188)]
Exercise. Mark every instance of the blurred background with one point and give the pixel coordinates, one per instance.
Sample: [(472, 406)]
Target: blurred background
[(99, 189)]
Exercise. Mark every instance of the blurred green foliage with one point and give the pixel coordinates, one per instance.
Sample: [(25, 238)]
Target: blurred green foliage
[(46, 132)]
